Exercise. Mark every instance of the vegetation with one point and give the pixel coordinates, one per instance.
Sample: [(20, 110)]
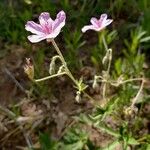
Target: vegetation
[(83, 91)]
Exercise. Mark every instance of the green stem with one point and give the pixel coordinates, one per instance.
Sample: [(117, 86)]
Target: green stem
[(49, 77), (138, 94), (107, 130), (59, 52), (110, 59), (114, 83), (130, 80), (109, 51), (64, 62), (104, 91), (104, 42)]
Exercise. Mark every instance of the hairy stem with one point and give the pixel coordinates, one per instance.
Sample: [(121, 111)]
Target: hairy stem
[(49, 77), (64, 62), (138, 94), (109, 51), (104, 42)]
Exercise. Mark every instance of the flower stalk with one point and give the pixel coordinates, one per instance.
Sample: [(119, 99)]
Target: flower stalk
[(68, 72), (49, 77), (138, 94)]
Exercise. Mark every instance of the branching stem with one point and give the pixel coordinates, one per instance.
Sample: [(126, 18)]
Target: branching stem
[(49, 77), (138, 94)]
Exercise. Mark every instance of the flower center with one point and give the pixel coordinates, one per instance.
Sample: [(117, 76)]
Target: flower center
[(47, 29)]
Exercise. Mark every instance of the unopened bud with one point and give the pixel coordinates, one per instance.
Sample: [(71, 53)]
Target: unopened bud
[(29, 69), (78, 96), (104, 59), (52, 67), (107, 57), (110, 54), (95, 84), (130, 111)]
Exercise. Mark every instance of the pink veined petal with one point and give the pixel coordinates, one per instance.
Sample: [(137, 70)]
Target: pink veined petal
[(107, 22), (101, 28), (47, 28), (94, 21), (49, 25), (89, 27), (59, 22), (52, 35), (36, 38), (43, 18), (102, 19), (33, 27)]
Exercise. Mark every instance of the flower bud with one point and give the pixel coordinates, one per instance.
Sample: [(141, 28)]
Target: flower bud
[(78, 96), (52, 67), (130, 111), (110, 54), (95, 84), (29, 69), (107, 57), (104, 59)]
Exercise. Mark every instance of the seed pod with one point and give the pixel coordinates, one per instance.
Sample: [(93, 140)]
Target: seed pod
[(95, 84), (105, 59), (29, 69), (52, 67)]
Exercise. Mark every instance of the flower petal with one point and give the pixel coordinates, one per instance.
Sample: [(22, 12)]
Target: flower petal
[(36, 38), (107, 22), (59, 22), (94, 21), (53, 34), (33, 27), (43, 18), (97, 25), (89, 27), (102, 19)]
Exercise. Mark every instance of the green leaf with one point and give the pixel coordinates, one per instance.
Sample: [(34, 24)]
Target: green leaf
[(132, 141), (118, 65), (108, 130), (148, 147), (140, 34), (111, 146), (75, 146), (146, 39), (46, 142)]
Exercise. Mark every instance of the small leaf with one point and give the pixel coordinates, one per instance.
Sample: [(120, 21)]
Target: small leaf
[(141, 34), (146, 39), (46, 142), (94, 61), (132, 141), (75, 146), (111, 146)]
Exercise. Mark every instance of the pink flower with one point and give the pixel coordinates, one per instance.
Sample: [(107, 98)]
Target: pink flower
[(47, 29), (97, 24)]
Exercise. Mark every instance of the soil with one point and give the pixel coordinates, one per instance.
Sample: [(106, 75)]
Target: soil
[(52, 114)]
